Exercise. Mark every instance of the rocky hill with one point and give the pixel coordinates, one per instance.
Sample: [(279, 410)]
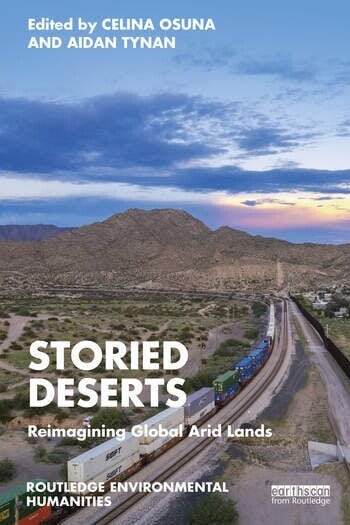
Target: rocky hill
[(168, 249), (35, 232)]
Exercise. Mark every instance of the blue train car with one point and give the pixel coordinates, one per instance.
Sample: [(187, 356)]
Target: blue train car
[(264, 347), (264, 344), (245, 369), (259, 355)]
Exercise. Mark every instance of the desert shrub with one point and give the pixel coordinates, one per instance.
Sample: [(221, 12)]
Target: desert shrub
[(111, 417), (214, 510), (258, 308), (7, 469), (251, 333)]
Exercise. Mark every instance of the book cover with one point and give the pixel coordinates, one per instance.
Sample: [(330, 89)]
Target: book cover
[(174, 263)]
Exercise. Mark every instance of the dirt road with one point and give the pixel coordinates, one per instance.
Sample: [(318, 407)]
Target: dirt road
[(335, 381)]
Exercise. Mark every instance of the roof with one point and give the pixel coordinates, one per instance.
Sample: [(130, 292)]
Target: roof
[(226, 375), (244, 361), (256, 351), (198, 394), (160, 416), (101, 449)]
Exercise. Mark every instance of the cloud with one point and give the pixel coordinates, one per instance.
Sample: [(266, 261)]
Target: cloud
[(122, 130), (206, 58), (250, 203), (248, 189), (281, 67), (27, 189), (126, 131), (266, 140), (344, 128), (265, 200), (234, 179)]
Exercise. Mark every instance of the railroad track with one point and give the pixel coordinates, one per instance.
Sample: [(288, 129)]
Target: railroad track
[(240, 408)]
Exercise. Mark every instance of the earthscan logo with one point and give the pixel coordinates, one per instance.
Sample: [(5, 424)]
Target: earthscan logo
[(301, 495)]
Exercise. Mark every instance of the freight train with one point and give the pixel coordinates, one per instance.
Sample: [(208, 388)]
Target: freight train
[(116, 460), (228, 385)]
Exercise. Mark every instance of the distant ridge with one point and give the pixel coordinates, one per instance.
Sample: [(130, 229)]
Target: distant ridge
[(35, 232), (169, 249)]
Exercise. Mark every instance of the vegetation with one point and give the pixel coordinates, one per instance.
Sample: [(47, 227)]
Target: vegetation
[(258, 308), (110, 417), (338, 301), (214, 510), (185, 319), (226, 348), (251, 333), (338, 329), (40, 453), (7, 469), (200, 379)]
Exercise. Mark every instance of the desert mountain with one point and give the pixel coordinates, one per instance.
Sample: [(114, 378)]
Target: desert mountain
[(35, 232), (168, 249)]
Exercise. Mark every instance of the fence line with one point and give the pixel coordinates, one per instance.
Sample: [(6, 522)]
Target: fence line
[(338, 355)]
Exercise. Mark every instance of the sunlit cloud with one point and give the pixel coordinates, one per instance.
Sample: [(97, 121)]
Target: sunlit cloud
[(286, 210), (245, 209)]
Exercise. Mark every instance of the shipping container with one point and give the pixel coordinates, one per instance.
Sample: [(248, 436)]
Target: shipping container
[(263, 345), (36, 517), (169, 418), (153, 446), (116, 469), (225, 381), (259, 355), (270, 334), (199, 404), (149, 451), (226, 386), (245, 369), (98, 459)]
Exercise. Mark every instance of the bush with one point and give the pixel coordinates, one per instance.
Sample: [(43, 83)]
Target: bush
[(57, 456), (16, 346), (226, 348), (7, 470), (40, 453), (20, 401), (214, 510), (202, 378), (111, 417), (5, 410), (258, 308), (251, 333), (68, 442)]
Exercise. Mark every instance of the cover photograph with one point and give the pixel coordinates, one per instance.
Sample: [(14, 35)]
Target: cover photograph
[(174, 263)]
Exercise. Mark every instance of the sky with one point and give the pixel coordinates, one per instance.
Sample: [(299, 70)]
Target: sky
[(247, 125)]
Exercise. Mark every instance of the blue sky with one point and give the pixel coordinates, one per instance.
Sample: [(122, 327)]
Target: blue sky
[(247, 125)]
